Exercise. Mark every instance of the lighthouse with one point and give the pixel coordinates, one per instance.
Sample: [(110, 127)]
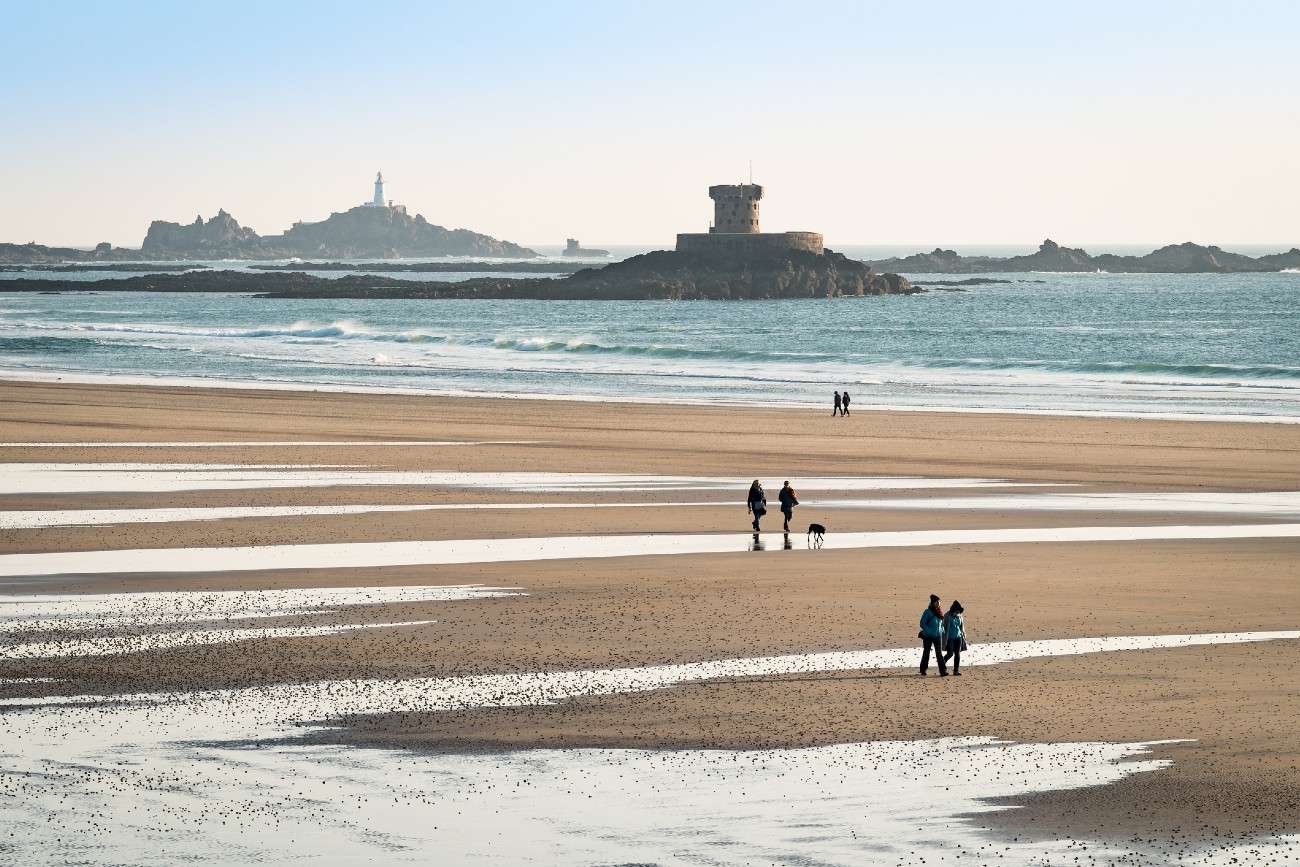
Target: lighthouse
[(379, 192)]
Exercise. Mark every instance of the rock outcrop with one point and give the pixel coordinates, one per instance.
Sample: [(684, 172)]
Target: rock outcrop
[(219, 238), (360, 233), (1186, 258)]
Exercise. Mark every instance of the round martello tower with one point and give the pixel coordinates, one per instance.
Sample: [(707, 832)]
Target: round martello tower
[(735, 209)]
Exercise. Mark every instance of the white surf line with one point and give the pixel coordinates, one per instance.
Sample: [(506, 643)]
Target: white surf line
[(1238, 503), (27, 520), (348, 555), (216, 444), (85, 478)]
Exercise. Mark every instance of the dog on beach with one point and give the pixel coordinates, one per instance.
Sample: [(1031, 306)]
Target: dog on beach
[(816, 533)]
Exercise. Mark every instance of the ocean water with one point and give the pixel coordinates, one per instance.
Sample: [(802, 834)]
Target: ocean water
[(1181, 345)]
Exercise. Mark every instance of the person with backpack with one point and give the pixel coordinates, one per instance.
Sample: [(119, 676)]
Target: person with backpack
[(931, 636), (788, 502), (954, 636), (756, 502)]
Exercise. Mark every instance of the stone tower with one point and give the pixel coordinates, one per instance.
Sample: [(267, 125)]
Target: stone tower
[(735, 208)]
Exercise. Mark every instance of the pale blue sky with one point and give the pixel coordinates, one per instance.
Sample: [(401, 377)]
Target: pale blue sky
[(926, 123)]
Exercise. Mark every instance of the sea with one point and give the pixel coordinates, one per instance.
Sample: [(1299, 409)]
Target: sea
[(1222, 346)]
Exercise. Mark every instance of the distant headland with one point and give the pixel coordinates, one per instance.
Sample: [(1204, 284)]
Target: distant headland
[(1186, 258), (374, 230)]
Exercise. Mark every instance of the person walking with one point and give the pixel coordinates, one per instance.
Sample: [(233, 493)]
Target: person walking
[(954, 636), (757, 502), (788, 502), (838, 405), (844, 404), (931, 635)]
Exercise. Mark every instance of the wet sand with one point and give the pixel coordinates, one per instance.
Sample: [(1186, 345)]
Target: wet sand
[(1237, 775)]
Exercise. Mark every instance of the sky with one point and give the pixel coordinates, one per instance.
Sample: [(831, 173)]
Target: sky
[(924, 123)]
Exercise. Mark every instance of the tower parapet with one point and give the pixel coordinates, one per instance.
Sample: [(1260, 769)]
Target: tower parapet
[(735, 208)]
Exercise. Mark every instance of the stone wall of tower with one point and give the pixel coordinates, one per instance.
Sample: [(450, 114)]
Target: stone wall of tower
[(735, 208), (741, 245)]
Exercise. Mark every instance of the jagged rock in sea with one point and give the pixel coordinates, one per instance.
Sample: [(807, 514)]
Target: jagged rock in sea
[(219, 238), (573, 249)]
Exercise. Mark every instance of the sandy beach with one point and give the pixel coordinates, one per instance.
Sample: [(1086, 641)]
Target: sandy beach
[(1228, 711)]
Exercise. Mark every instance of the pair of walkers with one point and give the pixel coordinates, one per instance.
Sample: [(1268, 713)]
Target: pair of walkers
[(945, 634), (756, 503), (841, 404)]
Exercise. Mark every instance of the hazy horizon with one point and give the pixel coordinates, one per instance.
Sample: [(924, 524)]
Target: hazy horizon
[(877, 126)]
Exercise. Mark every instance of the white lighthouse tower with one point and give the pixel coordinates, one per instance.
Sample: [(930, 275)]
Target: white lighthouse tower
[(379, 192)]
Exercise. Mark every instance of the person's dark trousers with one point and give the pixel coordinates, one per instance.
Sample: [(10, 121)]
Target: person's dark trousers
[(954, 653), (787, 515), (938, 655)]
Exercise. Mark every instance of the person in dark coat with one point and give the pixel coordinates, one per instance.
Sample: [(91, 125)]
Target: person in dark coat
[(788, 502), (932, 636), (838, 405), (756, 502), (844, 404), (954, 635)]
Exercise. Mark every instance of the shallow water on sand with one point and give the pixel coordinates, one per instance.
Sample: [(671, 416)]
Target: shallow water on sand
[(460, 551), (216, 777)]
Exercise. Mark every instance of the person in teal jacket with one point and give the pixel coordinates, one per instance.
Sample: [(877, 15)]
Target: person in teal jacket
[(954, 636), (931, 636)]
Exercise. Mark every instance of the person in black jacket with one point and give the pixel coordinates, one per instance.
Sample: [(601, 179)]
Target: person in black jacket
[(788, 502), (756, 502), (844, 404), (838, 405)]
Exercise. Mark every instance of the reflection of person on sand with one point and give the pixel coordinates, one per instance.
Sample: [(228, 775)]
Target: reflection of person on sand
[(954, 636), (757, 502), (788, 502), (931, 635)]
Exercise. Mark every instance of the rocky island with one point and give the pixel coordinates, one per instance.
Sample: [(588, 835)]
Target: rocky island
[(1185, 258), (374, 230)]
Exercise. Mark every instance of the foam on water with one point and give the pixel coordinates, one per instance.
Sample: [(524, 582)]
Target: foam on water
[(458, 551)]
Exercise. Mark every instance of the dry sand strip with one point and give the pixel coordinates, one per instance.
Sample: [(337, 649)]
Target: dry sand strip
[(773, 444)]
